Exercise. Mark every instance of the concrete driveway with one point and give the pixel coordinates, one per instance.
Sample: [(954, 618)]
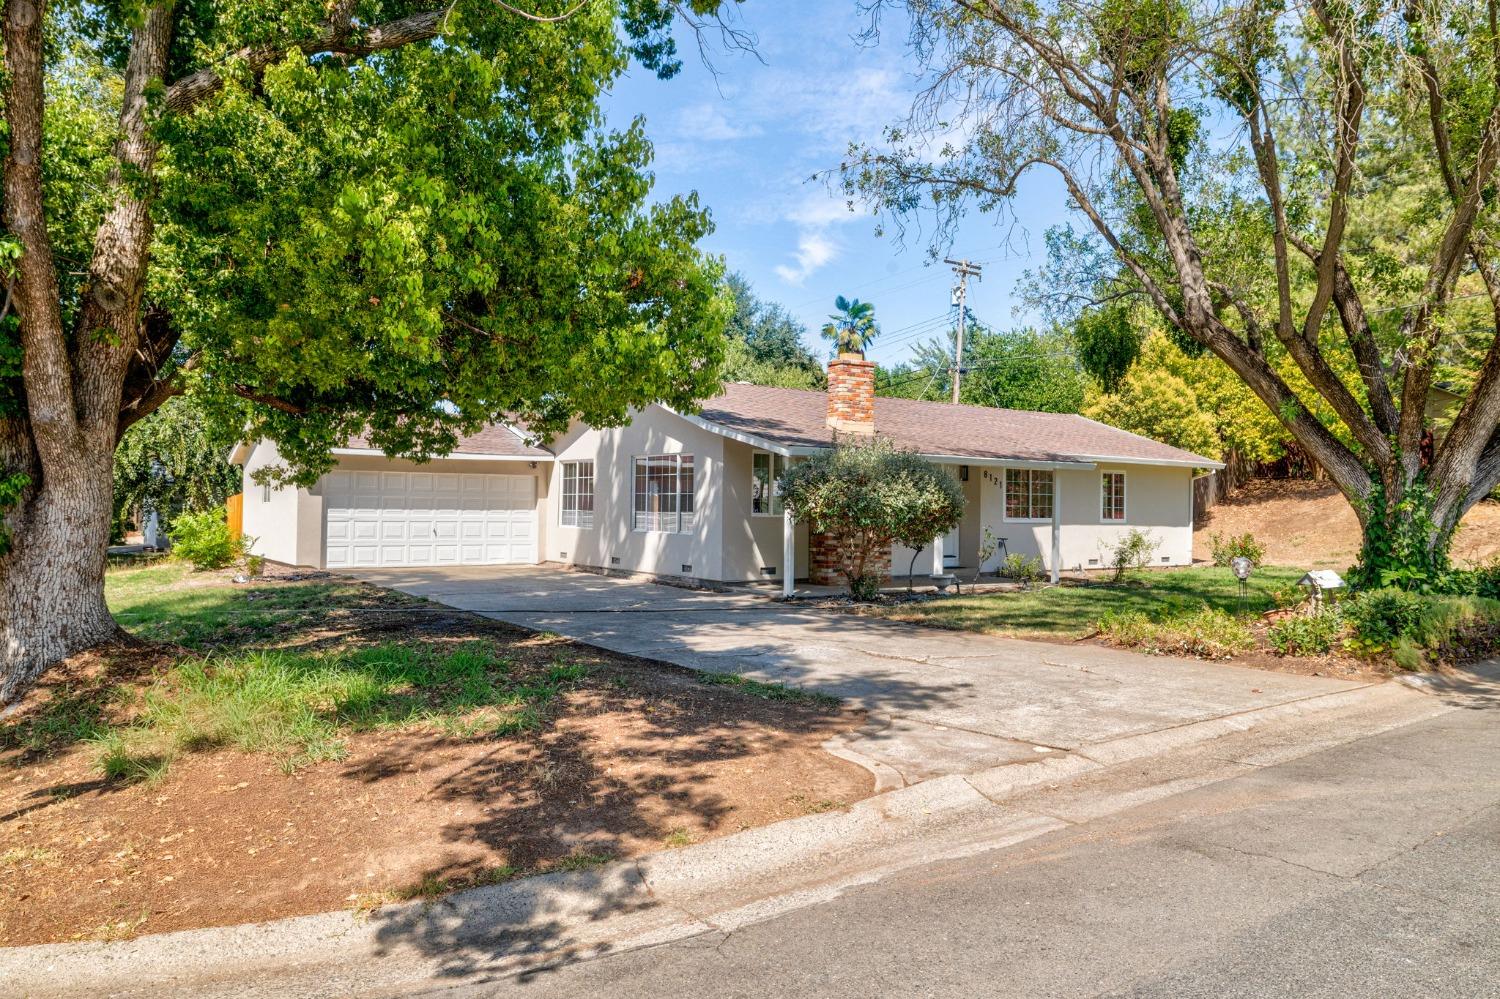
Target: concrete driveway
[(941, 702)]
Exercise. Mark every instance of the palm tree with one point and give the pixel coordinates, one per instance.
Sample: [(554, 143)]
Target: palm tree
[(853, 326)]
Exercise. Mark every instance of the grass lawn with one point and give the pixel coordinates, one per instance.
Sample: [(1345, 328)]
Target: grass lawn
[(1073, 611), (295, 745)]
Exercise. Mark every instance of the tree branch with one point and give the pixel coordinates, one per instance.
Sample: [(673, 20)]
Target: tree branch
[(246, 392), (45, 369), (335, 39)]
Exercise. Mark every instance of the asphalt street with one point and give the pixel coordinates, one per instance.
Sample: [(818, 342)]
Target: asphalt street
[(1371, 869)]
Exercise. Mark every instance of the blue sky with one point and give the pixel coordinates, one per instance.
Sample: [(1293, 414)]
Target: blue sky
[(748, 141)]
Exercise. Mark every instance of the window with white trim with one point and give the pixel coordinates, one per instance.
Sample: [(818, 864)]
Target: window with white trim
[(1112, 496), (1028, 494), (577, 494), (766, 470), (265, 492), (664, 493)]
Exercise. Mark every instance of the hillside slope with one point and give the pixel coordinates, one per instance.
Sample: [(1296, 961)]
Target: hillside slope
[(1311, 525)]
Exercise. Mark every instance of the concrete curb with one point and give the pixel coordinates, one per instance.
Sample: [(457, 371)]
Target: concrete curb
[(709, 887)]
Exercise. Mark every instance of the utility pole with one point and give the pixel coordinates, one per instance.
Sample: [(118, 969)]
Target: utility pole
[(964, 270)]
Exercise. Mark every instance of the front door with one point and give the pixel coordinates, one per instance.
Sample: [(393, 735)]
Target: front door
[(950, 549)]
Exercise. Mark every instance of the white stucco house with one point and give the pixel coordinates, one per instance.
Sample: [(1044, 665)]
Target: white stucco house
[(690, 495)]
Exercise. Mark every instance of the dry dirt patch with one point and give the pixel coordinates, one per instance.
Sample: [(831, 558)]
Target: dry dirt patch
[(635, 756), (1310, 525)]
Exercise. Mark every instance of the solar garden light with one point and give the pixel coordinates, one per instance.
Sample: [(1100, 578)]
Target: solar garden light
[(1241, 567)]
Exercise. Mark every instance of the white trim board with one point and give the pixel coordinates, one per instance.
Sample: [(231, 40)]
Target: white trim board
[(455, 456)]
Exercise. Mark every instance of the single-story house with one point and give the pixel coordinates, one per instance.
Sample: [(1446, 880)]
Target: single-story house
[(691, 495)]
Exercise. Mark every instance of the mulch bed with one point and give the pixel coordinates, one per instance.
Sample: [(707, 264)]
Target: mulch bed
[(639, 757)]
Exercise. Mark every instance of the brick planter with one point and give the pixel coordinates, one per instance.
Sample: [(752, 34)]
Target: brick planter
[(826, 565)]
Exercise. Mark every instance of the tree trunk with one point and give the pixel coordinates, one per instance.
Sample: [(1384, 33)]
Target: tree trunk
[(52, 580)]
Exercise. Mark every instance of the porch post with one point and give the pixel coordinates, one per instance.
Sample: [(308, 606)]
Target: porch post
[(1056, 531), (937, 555), (788, 553)]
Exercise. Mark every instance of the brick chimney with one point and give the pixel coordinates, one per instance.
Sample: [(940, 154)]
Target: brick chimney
[(851, 394)]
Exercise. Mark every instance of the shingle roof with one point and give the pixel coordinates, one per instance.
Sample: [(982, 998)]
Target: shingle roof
[(796, 418), (497, 439)]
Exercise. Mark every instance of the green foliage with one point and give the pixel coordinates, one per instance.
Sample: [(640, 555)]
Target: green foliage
[(765, 343), (299, 707), (1131, 550), (408, 245), (989, 544), (1015, 369), (1161, 406), (1414, 626), (869, 495), (1307, 634), (203, 539), (1226, 550), (1072, 611), (1025, 569), (1399, 547), (1379, 617), (175, 460), (1484, 580), (1109, 341), (12, 488), (1205, 633), (852, 327)]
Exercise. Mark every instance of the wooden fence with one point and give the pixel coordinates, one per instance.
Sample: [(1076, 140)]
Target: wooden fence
[(234, 509), (1210, 490)]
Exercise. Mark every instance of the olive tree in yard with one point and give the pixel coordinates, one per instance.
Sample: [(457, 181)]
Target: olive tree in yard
[(867, 495), (1241, 165), (399, 217)]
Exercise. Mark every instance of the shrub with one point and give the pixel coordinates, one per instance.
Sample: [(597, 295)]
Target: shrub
[(1406, 623), (1485, 579), (1132, 550), (1379, 617), (870, 495), (1025, 569), (1226, 550), (1206, 633), (1307, 635), (204, 539)]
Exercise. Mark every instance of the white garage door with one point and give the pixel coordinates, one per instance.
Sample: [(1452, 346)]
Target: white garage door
[(429, 518)]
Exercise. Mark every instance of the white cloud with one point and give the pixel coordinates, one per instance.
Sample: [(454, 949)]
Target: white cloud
[(814, 251), (705, 122), (819, 208)]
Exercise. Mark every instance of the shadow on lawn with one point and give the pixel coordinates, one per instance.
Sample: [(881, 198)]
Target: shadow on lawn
[(595, 812)]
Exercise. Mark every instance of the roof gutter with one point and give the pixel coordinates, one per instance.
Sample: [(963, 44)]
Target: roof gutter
[(455, 456), (1163, 462)]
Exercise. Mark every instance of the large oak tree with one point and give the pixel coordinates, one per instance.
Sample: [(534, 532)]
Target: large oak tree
[(395, 216), (1238, 161)]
